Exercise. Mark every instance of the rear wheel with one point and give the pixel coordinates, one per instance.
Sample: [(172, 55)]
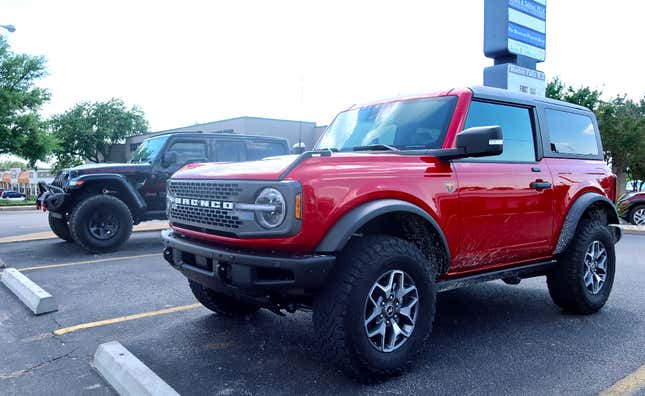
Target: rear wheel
[(582, 280), (60, 228), (377, 309), (101, 223), (221, 304), (637, 215)]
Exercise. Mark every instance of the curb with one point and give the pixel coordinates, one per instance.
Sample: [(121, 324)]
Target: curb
[(17, 208), (38, 236), (126, 374), (633, 230), (32, 295)]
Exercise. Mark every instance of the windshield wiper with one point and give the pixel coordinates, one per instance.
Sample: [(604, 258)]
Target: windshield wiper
[(375, 147)]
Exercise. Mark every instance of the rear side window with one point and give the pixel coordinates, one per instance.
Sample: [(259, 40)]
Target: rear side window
[(517, 128), (189, 151), (230, 151), (258, 149), (571, 133)]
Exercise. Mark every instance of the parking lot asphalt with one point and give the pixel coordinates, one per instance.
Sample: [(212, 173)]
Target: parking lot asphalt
[(488, 339)]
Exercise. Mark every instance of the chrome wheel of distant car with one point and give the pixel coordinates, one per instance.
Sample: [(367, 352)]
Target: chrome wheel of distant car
[(639, 216), (595, 267), (391, 310)]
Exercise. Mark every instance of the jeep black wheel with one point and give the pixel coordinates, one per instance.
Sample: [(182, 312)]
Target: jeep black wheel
[(583, 277), (637, 215), (377, 309), (60, 228), (221, 304), (101, 223)]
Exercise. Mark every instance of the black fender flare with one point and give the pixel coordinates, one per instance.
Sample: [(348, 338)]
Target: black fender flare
[(131, 195), (338, 236), (575, 213)]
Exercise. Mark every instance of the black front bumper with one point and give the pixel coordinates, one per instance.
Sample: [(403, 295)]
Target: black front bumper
[(50, 197), (238, 272)]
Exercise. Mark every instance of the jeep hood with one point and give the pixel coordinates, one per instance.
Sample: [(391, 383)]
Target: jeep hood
[(107, 168), (267, 169)]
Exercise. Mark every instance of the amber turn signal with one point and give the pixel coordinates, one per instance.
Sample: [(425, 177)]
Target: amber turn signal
[(299, 206)]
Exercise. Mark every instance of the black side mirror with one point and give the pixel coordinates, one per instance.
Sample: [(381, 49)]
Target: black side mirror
[(169, 158), (484, 141)]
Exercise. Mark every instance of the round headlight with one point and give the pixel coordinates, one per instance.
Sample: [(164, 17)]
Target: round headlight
[(275, 210)]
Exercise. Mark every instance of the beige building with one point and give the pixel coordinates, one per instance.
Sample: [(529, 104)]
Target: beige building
[(294, 131)]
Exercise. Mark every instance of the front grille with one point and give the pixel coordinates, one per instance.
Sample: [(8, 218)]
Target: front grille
[(206, 217), (60, 179), (204, 190)]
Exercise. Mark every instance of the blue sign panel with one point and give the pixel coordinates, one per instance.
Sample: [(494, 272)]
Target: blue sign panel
[(515, 27), (529, 7)]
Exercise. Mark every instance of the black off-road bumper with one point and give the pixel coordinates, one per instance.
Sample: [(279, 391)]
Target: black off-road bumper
[(237, 272), (50, 197)]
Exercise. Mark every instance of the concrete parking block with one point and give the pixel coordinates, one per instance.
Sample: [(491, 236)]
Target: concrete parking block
[(32, 295), (126, 374)]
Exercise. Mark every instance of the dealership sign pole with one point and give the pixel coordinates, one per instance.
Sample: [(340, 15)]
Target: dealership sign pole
[(515, 37)]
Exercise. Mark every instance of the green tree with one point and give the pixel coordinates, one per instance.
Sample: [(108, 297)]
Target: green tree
[(583, 96), (88, 130), (621, 126), (22, 131)]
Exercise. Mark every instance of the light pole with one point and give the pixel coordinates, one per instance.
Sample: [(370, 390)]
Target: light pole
[(10, 28)]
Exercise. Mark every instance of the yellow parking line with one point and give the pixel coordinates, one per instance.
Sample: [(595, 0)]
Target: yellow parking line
[(82, 326), (36, 236), (628, 385), (37, 267)]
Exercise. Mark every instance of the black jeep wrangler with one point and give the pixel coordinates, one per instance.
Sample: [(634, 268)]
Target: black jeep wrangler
[(96, 205)]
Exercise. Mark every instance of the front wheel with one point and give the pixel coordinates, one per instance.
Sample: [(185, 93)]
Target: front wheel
[(60, 228), (101, 223), (377, 309), (584, 275)]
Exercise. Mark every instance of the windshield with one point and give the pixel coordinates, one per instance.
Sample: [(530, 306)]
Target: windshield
[(149, 150), (403, 125)]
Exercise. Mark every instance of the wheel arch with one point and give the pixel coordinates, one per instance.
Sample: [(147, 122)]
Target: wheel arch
[(393, 217), (589, 204), (116, 185)]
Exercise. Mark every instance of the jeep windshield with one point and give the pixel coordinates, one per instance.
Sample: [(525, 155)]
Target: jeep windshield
[(401, 125), (149, 150)]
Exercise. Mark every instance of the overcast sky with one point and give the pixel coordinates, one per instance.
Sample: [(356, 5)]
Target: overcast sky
[(186, 62)]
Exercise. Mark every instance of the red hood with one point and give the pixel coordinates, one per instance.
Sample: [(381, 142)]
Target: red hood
[(266, 169)]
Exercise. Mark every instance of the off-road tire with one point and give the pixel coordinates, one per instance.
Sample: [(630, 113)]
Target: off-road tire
[(221, 304), (60, 228), (566, 281), (339, 309), (80, 217), (632, 212)]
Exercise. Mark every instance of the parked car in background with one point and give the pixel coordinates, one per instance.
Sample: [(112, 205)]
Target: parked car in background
[(96, 205), (631, 207), (12, 196)]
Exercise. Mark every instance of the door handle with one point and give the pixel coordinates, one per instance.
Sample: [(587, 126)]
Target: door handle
[(540, 185)]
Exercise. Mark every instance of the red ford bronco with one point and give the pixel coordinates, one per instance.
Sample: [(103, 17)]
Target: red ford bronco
[(402, 199)]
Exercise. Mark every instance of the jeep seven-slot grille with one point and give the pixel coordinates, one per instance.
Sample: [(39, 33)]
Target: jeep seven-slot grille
[(60, 179), (204, 190)]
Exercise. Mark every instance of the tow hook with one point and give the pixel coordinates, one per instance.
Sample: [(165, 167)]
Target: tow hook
[(167, 255)]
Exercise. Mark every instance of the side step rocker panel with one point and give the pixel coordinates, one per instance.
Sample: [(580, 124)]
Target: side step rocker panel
[(525, 271)]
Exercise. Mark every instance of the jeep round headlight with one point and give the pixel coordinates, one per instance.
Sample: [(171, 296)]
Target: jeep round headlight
[(274, 210)]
